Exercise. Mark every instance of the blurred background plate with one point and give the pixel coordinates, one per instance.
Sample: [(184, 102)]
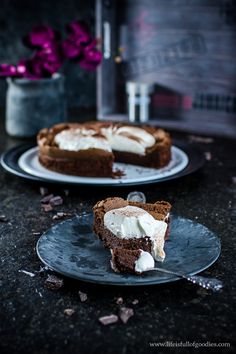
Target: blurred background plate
[(187, 160)]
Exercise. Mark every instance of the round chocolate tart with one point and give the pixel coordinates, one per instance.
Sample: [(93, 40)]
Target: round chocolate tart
[(90, 149)]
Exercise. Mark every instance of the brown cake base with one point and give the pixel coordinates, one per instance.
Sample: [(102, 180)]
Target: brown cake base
[(158, 210), (123, 260), (154, 159), (92, 163)]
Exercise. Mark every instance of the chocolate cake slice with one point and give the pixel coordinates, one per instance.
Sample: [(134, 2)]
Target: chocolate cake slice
[(75, 149), (132, 225), (90, 149), (131, 261)]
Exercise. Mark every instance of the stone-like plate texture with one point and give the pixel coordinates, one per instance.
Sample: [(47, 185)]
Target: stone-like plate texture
[(71, 248)]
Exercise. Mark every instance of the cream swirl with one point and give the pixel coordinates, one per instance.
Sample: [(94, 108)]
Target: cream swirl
[(81, 139), (133, 222)]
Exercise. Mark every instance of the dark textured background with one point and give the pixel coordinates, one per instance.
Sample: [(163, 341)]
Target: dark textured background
[(32, 319), (17, 17)]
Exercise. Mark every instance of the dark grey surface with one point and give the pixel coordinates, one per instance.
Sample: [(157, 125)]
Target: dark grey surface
[(32, 318), (72, 249)]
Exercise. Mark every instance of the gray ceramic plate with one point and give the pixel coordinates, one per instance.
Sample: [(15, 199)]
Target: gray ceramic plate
[(71, 248)]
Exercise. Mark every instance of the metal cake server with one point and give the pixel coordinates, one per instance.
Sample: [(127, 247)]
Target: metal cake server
[(207, 283)]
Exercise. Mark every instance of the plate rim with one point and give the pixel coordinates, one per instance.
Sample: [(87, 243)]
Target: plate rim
[(31, 154), (191, 152), (169, 279)]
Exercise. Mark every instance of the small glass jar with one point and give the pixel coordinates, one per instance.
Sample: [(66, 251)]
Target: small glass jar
[(138, 101)]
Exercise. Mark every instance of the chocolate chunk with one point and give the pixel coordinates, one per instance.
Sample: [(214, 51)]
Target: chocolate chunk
[(69, 312), (119, 301), (125, 314), (46, 199), (83, 297), (3, 218), (47, 207), (57, 200), (106, 320), (53, 282)]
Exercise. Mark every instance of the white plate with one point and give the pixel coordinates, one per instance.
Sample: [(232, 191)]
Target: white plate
[(133, 174)]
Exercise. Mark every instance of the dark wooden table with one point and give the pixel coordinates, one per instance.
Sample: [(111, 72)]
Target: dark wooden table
[(32, 316)]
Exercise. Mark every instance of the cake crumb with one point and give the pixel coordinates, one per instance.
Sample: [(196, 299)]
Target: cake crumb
[(53, 282), (106, 320), (125, 314)]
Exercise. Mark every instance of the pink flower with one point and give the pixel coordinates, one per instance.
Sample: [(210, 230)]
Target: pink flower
[(78, 37), (79, 30), (91, 57), (70, 48), (7, 70), (50, 53), (40, 36)]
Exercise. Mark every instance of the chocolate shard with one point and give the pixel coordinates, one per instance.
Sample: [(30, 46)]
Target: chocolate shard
[(46, 199), (107, 320), (69, 312), (83, 297), (119, 300), (125, 314), (3, 218), (53, 282), (47, 207), (57, 200)]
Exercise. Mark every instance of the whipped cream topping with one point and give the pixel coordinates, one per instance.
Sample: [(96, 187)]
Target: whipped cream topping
[(126, 138), (144, 262), (131, 139), (133, 222), (81, 139)]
